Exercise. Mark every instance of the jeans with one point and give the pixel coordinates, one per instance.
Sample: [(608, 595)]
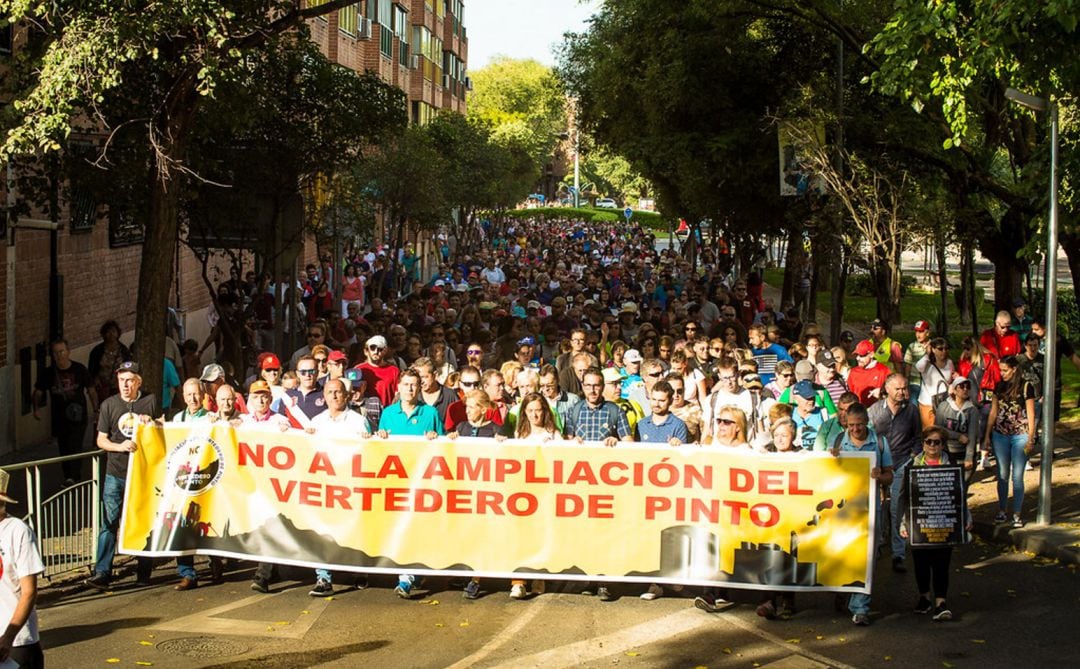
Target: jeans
[(1009, 451), (185, 567), (858, 602), (112, 503), (897, 543)]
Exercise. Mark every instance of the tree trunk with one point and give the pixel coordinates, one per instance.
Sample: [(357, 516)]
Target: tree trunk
[(943, 286), (162, 227), (155, 279), (791, 265), (1002, 249), (886, 275), (1070, 242), (839, 288)]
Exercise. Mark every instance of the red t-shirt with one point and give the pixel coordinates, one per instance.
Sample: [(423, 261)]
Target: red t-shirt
[(380, 381), (862, 380)]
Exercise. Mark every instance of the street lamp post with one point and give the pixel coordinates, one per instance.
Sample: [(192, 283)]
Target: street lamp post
[(1050, 376)]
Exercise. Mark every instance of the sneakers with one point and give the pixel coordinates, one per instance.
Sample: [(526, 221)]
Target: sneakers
[(517, 591), (767, 610), (1000, 517), (260, 585), (861, 619), (984, 463), (98, 582), (898, 565), (322, 588), (654, 592), (942, 612), (604, 594), (472, 589), (403, 589), (710, 603), (1017, 521), (923, 606)]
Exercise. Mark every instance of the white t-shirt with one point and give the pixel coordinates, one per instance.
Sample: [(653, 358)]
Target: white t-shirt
[(348, 423), (19, 557)]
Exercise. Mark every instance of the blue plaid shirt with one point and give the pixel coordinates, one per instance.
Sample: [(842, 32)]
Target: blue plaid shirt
[(596, 423)]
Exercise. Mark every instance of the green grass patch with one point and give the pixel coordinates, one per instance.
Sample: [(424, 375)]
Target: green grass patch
[(860, 310)]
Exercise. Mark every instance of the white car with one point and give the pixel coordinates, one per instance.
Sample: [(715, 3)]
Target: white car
[(606, 203)]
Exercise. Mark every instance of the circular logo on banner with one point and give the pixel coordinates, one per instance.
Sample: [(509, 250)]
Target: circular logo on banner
[(195, 465)]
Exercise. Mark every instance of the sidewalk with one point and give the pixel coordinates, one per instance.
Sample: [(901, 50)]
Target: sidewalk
[(1061, 539), (1058, 541)]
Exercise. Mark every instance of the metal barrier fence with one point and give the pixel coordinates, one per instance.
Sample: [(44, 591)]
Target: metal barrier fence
[(67, 522)]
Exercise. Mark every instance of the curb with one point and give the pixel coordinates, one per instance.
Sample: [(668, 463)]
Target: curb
[(1051, 541)]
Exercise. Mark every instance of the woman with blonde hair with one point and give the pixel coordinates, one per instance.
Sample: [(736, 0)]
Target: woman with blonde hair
[(730, 428), (509, 371)]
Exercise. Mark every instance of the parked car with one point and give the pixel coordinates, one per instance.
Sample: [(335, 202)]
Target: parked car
[(606, 203)]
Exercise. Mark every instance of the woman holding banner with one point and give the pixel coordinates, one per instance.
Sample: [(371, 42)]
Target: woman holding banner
[(730, 428), (477, 424), (535, 424), (931, 562)]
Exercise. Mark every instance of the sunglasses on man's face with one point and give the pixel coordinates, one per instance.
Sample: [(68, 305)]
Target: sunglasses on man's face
[(305, 372)]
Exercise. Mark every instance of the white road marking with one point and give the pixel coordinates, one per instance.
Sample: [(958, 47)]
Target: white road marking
[(507, 633), (773, 639), (208, 622), (574, 654), (795, 662)]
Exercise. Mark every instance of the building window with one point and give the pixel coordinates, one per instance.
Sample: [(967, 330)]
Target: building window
[(316, 3), (385, 19), (401, 31), (348, 19)]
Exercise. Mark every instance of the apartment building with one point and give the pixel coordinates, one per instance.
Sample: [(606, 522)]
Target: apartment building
[(420, 46), (73, 269)]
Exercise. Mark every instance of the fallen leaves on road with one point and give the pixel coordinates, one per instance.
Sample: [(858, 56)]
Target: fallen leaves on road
[(146, 643), (113, 660), (978, 641), (794, 641), (144, 663), (463, 624), (727, 651), (631, 653), (888, 658), (429, 602)]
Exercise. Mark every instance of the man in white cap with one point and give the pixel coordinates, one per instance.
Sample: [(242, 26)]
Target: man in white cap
[(380, 378), (18, 587)]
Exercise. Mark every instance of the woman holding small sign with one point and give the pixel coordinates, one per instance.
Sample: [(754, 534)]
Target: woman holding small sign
[(931, 562)]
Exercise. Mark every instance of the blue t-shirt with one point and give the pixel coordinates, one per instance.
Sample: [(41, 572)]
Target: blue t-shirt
[(650, 432), (808, 426), (423, 419)]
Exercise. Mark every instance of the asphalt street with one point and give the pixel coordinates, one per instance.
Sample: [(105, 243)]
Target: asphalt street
[(1012, 609)]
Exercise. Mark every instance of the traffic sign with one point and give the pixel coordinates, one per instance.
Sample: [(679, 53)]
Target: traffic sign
[(628, 213)]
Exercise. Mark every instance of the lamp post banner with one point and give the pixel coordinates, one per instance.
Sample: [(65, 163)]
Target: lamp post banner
[(474, 507)]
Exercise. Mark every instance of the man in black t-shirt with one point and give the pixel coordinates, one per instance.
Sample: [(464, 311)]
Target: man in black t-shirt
[(73, 398), (120, 415)]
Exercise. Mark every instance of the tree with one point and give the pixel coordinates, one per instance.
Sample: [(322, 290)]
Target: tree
[(405, 180), (95, 51), (523, 106)]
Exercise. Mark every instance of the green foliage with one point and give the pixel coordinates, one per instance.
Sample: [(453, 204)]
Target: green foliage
[(1068, 311), (522, 104)]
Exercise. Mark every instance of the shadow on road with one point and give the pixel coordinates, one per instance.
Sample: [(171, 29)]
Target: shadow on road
[(306, 658), (62, 636)]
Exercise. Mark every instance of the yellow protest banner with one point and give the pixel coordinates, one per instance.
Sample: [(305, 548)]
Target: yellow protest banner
[(637, 513)]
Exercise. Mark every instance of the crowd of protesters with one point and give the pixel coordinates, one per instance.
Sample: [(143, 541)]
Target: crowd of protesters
[(557, 330)]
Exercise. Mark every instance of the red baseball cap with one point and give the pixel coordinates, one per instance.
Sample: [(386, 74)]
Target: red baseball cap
[(269, 361), (336, 356), (865, 347), (922, 326)]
